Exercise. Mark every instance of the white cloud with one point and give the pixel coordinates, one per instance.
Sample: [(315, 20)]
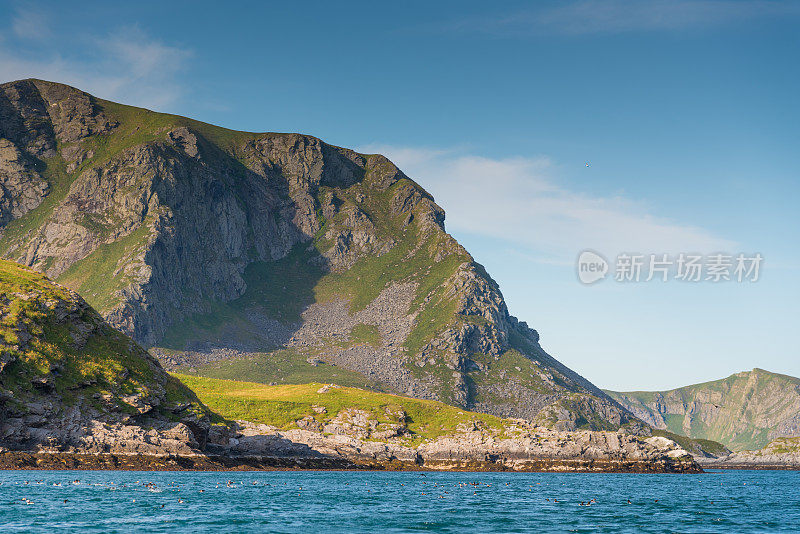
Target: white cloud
[(125, 65), (618, 16), (518, 200), (142, 70)]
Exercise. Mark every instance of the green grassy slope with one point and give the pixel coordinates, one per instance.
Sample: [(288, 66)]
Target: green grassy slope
[(282, 405)]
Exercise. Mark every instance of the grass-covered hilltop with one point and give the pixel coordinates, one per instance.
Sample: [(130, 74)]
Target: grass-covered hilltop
[(272, 258), (743, 411), (68, 381)]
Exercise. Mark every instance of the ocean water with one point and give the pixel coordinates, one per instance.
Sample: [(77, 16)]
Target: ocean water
[(330, 501)]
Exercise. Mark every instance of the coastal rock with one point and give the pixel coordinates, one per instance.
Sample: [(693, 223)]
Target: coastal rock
[(520, 447)]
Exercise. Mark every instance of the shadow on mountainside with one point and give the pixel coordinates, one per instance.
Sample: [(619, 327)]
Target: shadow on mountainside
[(264, 318)]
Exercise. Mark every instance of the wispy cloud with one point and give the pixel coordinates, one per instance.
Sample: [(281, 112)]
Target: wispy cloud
[(519, 200), (126, 64), (582, 17), (30, 24)]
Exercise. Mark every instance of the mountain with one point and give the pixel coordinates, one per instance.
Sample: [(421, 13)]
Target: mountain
[(744, 411), (263, 256), (68, 381)]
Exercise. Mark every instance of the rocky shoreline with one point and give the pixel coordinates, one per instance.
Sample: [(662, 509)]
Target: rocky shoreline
[(23, 460), (751, 466), (248, 446), (739, 461)]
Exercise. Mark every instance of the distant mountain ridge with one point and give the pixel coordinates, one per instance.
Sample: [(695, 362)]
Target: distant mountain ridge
[(238, 250), (744, 411)]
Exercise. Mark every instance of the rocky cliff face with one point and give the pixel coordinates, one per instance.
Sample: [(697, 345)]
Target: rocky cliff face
[(68, 381), (209, 244), (743, 411)]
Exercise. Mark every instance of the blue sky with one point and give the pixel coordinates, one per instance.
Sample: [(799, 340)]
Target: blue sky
[(686, 111)]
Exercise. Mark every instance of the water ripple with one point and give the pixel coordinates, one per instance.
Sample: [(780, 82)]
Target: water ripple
[(314, 501)]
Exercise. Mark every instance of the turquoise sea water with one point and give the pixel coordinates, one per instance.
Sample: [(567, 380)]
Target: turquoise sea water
[(325, 501)]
